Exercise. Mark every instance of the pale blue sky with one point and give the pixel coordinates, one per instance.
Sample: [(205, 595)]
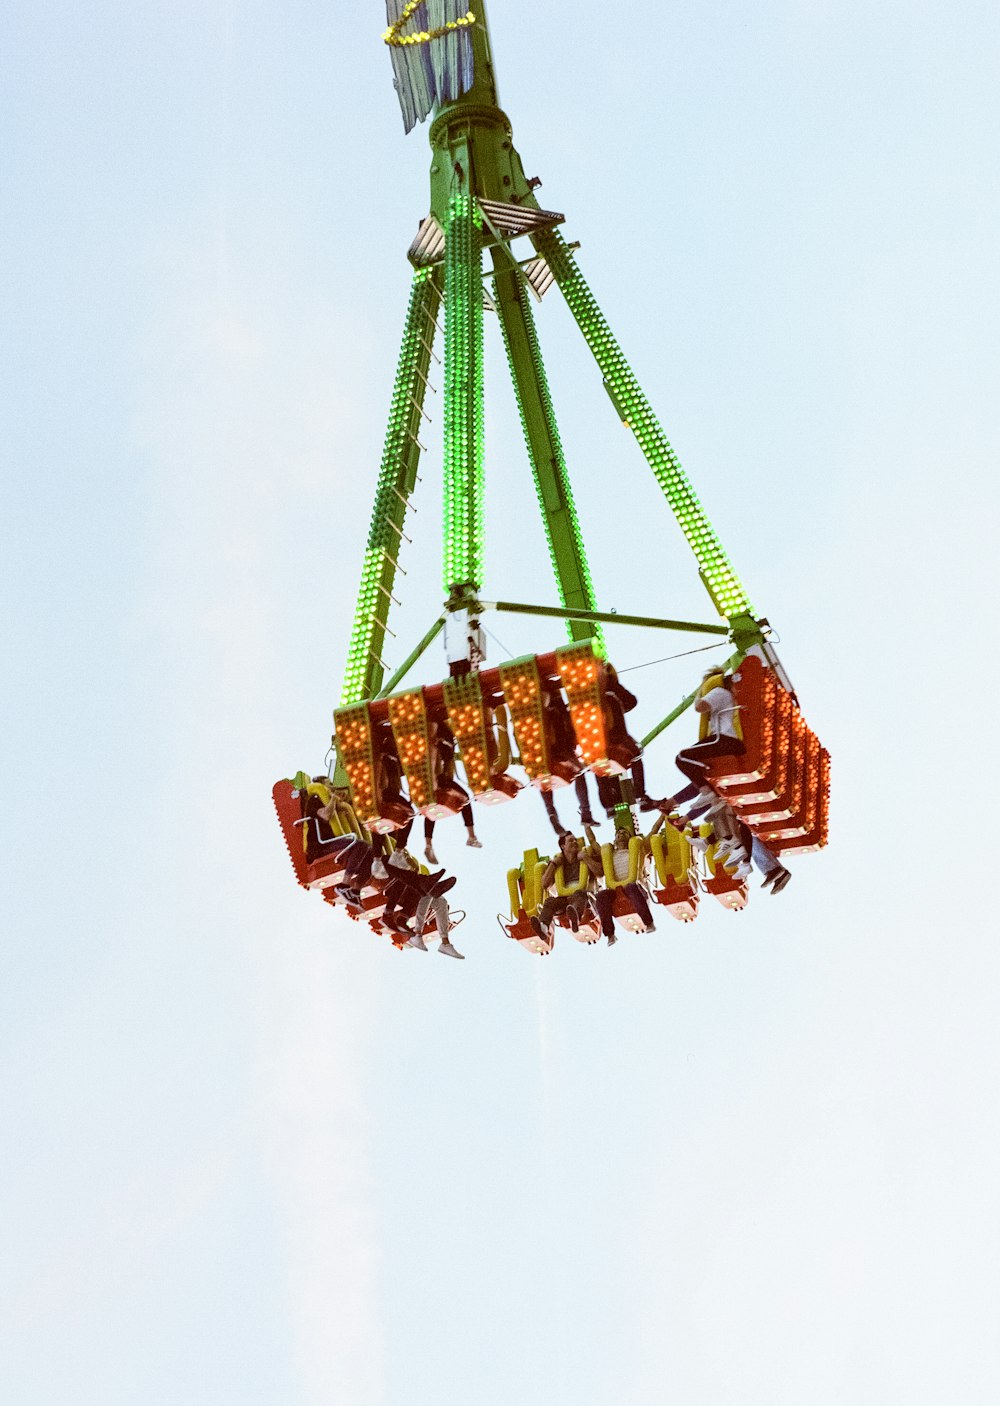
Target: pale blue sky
[(251, 1156)]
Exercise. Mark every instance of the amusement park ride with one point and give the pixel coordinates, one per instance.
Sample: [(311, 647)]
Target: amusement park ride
[(556, 716)]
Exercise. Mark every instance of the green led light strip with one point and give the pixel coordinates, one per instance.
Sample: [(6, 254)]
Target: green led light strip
[(724, 585), (562, 527), (364, 672), (463, 400)]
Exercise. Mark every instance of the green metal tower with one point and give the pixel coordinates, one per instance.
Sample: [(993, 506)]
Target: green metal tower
[(481, 203)]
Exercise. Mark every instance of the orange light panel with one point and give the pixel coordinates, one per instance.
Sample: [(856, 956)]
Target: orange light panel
[(354, 743), (408, 719), (582, 675), (522, 691)]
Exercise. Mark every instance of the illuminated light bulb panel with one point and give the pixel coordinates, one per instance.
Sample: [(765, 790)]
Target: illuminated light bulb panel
[(582, 675), (463, 700), (354, 743), (808, 811), (408, 719), (801, 834), (797, 794), (636, 412), (364, 671), (780, 818), (467, 718), (522, 691), (755, 691), (770, 803), (464, 453)]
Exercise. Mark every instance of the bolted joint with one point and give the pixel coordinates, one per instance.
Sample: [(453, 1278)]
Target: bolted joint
[(745, 632)]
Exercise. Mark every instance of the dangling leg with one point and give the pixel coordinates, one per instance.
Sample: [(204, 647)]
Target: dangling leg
[(609, 793), (604, 902), (550, 810), (639, 782), (640, 903), (776, 876), (429, 854), (583, 799), (471, 838)]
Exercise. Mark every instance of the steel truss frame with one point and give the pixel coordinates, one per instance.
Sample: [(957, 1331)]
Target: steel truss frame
[(474, 161)]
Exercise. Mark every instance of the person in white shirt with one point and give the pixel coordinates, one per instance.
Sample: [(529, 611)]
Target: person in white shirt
[(604, 899), (720, 737)]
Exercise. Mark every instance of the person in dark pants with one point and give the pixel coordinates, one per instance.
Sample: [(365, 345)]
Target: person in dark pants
[(721, 736)]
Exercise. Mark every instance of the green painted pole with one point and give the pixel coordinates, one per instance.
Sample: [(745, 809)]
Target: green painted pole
[(364, 670), (724, 586), (412, 658), (541, 435), (464, 487), (605, 616)]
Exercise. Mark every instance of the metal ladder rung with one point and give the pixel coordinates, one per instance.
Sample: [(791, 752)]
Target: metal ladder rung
[(399, 533), (381, 623)]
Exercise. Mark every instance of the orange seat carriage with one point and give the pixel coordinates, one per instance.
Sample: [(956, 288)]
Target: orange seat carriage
[(449, 741), (565, 718), (420, 733), (317, 857), (780, 786), (524, 888)]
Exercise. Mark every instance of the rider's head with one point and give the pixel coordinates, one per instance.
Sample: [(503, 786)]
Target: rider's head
[(569, 846)]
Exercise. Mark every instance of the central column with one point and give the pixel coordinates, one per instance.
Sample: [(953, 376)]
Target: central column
[(463, 387)]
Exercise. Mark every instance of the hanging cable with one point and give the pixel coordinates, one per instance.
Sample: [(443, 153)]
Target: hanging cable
[(723, 644), (499, 642)]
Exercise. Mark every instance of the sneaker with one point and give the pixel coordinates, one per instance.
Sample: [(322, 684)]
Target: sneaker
[(472, 842), (743, 873), (399, 925), (538, 928), (783, 876), (429, 854), (574, 919), (698, 842), (348, 894), (444, 886), (647, 803), (724, 846), (650, 927), (449, 951), (587, 819), (612, 940), (416, 940)]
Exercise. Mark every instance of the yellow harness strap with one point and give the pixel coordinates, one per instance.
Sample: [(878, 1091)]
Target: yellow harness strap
[(563, 888)]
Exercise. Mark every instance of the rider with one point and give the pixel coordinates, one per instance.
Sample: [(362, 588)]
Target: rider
[(604, 899), (720, 735), (573, 866)]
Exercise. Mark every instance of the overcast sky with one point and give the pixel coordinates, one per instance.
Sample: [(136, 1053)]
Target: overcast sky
[(252, 1154)]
